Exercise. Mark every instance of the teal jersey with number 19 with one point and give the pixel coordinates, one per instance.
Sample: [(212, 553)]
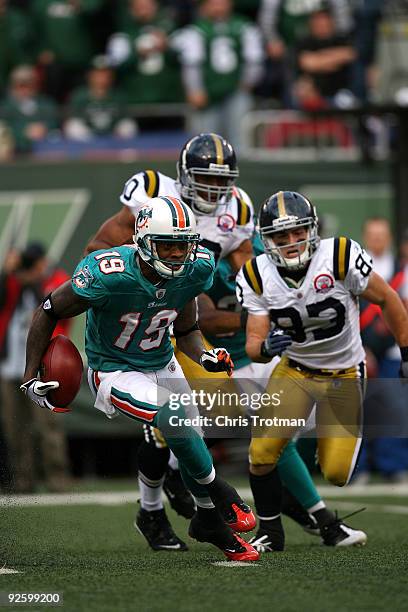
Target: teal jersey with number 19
[(127, 326)]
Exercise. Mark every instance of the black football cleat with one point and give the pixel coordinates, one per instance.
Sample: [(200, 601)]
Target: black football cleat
[(270, 538), (235, 512), (337, 533), (179, 497), (155, 527), (221, 536)]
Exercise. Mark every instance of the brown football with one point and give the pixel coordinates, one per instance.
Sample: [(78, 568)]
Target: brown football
[(62, 362)]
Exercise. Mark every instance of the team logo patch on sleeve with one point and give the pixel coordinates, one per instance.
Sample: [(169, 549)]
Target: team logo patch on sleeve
[(226, 223), (83, 278), (323, 283)]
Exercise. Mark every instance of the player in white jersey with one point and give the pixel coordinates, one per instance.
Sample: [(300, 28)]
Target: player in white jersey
[(302, 301), (206, 175)]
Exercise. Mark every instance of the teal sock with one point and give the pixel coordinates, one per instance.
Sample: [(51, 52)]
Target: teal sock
[(186, 444), (296, 477), (197, 490)]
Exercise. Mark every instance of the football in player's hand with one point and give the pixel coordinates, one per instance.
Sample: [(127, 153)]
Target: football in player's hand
[(62, 362)]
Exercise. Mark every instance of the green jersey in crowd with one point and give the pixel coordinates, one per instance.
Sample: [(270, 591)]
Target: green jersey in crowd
[(15, 42), (19, 114), (127, 326), (64, 28), (223, 295), (146, 77), (220, 49), (100, 114)]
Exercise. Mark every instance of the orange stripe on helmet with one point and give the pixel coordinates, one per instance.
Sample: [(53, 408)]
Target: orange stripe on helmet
[(180, 212)]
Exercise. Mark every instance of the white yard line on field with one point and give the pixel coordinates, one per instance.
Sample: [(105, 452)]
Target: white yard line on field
[(127, 497)]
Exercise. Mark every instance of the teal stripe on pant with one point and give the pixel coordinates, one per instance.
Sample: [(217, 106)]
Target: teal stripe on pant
[(190, 449), (296, 477)]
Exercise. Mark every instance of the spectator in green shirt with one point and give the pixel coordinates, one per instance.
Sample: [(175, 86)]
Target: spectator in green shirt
[(148, 71), (221, 55), (97, 109), (15, 40), (65, 41), (29, 115)]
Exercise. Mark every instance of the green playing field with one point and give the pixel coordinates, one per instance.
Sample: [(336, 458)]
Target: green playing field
[(92, 554)]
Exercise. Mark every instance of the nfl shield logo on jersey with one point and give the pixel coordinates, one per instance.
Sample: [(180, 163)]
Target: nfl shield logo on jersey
[(160, 293), (323, 283)]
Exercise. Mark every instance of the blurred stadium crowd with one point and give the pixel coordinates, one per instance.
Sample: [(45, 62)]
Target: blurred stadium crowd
[(83, 68)]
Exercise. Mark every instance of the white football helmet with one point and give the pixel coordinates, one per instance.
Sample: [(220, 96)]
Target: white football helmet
[(166, 219)]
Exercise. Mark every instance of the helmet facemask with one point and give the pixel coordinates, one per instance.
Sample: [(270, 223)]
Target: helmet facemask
[(203, 197), (305, 248), (149, 246)]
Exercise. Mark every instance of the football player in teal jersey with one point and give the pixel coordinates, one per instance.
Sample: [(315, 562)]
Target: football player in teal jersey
[(221, 320), (206, 174), (132, 294)]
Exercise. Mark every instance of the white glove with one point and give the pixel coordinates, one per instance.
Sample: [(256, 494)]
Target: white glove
[(37, 392)]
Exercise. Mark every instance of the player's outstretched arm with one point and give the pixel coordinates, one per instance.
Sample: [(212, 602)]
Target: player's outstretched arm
[(116, 231), (62, 303), (187, 333), (264, 343), (214, 321), (379, 292), (241, 255), (257, 329), (190, 341)]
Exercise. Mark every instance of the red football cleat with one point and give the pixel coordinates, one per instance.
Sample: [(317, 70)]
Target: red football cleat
[(243, 551), (221, 536), (235, 512), (241, 518)]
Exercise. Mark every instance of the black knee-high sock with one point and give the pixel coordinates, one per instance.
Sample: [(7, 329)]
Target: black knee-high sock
[(152, 461), (152, 464), (267, 493)]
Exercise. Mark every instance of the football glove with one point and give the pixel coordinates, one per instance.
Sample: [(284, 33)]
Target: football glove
[(37, 392), (275, 343), (217, 360)]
